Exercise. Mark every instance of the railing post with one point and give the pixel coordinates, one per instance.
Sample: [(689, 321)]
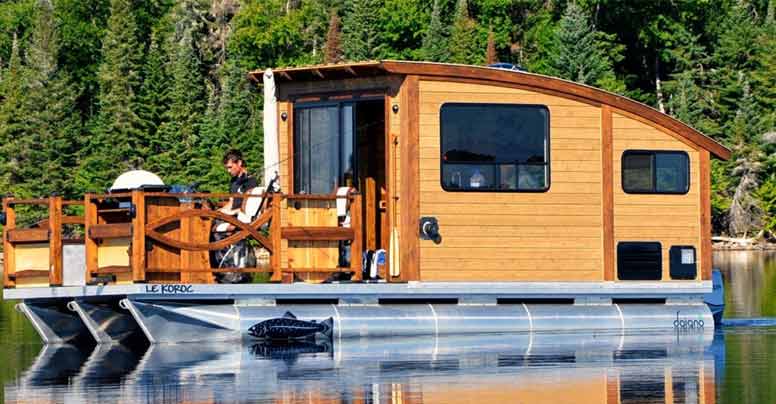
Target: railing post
[(55, 240), (274, 233), (138, 257), (356, 246), (90, 244), (9, 261)]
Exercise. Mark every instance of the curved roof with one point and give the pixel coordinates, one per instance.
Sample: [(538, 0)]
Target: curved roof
[(532, 81)]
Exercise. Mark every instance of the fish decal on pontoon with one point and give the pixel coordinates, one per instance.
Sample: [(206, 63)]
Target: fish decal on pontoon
[(289, 327)]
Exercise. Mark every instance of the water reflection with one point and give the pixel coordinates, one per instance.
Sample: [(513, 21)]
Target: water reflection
[(750, 282), (535, 368)]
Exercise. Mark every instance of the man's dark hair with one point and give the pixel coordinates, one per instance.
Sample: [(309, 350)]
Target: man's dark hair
[(234, 156)]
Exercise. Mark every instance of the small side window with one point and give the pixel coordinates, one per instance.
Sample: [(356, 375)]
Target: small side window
[(655, 172)]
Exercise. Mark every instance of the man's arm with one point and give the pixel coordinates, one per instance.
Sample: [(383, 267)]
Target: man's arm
[(227, 208)]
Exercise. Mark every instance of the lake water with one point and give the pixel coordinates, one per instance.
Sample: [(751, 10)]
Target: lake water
[(735, 365)]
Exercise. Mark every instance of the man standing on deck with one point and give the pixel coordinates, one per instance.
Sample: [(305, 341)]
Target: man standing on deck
[(241, 183)]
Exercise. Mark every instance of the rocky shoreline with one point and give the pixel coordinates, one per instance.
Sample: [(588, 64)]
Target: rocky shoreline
[(720, 243)]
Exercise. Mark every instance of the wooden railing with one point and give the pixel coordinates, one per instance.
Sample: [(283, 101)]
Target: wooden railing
[(138, 237), (33, 255)]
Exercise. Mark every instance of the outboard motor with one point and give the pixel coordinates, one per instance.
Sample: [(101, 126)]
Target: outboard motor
[(716, 299)]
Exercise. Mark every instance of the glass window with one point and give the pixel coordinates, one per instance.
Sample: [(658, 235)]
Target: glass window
[(655, 172), (323, 147), (495, 147)]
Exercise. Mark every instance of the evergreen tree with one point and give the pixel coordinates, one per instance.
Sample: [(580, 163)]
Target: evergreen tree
[(745, 213), (332, 51), (435, 42), (735, 56), (239, 124), (154, 93), (179, 159), (55, 124), (38, 120), (578, 54), (689, 100), (118, 141), (463, 45), (360, 32), (13, 124)]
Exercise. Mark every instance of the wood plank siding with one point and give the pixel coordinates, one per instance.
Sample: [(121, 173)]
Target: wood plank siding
[(555, 235), (669, 219), (559, 234), (568, 233)]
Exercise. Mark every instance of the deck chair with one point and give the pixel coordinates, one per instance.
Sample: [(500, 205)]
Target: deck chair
[(240, 254)]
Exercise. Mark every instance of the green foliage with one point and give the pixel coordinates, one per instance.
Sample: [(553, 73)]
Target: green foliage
[(117, 141), (766, 194), (90, 88), (582, 54), (360, 32), (435, 42), (464, 44)]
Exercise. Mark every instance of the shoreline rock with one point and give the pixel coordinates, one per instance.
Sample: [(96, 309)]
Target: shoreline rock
[(720, 243)]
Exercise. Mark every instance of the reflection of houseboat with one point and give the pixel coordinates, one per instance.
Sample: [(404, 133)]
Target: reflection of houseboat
[(601, 368), (547, 204)]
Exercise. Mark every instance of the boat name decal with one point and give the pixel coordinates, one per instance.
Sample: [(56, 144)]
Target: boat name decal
[(170, 289), (685, 324)]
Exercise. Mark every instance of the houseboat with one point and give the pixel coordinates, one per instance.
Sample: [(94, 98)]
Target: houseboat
[(482, 200)]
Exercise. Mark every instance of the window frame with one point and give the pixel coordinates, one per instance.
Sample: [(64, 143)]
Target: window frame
[(654, 154), (339, 103), (546, 164)]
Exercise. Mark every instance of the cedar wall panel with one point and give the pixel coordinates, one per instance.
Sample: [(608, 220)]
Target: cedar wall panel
[(669, 219), (395, 130), (284, 137), (556, 235)]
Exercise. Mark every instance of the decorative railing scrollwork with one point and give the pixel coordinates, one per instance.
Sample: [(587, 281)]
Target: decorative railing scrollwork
[(246, 229)]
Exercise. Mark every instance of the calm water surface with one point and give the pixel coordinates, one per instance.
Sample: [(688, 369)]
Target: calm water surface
[(735, 365)]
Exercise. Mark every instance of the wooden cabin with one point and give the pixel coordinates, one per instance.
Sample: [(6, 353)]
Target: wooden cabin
[(528, 177), (460, 173)]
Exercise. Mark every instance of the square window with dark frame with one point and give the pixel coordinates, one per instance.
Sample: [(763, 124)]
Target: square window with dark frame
[(655, 172), (495, 147)]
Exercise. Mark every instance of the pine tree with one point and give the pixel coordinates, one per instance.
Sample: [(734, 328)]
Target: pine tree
[(178, 157), (360, 30), (332, 51), (735, 55), (578, 54), (463, 45), (54, 119), (118, 141), (38, 119), (435, 41), (13, 124), (745, 213), (689, 99), (154, 93)]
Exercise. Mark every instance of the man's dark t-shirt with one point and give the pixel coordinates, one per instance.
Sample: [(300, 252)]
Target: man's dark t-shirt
[(240, 185)]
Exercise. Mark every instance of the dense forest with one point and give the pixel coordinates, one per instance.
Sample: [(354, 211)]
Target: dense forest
[(91, 88)]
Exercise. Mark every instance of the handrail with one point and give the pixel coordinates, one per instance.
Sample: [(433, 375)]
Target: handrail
[(40, 201), (247, 230), (48, 231), (148, 236), (309, 197)]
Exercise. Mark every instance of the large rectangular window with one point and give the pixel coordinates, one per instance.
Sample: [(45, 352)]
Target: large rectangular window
[(655, 172), (495, 147)]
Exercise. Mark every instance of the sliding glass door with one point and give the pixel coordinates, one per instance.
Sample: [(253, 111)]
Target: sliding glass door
[(323, 147)]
